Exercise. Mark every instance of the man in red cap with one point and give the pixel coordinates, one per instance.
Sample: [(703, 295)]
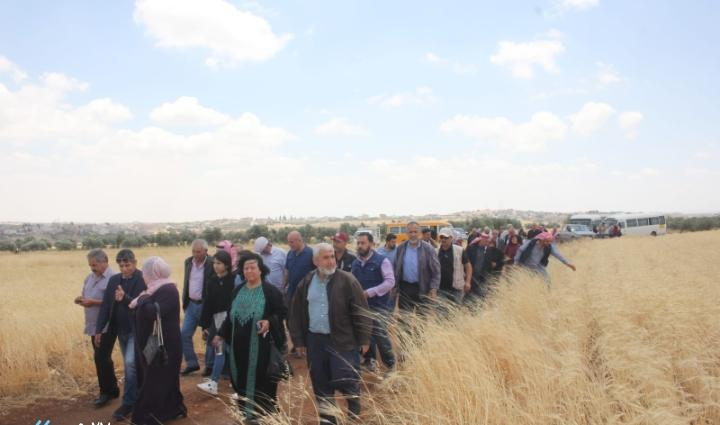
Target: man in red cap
[(343, 257)]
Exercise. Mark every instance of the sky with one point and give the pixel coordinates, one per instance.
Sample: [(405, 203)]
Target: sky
[(176, 110)]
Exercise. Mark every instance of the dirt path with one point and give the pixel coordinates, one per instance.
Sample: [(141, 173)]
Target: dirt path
[(203, 409)]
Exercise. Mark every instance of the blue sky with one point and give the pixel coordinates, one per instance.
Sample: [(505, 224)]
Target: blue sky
[(159, 110)]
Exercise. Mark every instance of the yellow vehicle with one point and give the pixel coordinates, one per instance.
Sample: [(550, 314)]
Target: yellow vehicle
[(400, 229)]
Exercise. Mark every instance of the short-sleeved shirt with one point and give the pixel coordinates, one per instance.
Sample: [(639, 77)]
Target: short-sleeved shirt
[(410, 270), (298, 266), (94, 289), (447, 267)]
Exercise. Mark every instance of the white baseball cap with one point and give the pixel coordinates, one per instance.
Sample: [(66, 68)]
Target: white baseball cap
[(260, 244)]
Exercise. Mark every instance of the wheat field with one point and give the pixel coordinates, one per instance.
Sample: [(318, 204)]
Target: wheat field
[(632, 337)]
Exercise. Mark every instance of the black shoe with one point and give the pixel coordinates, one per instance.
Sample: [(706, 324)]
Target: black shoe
[(104, 398), (207, 372), (182, 413), (122, 412), (188, 370)]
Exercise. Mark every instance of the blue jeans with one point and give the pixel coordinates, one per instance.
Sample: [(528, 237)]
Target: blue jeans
[(332, 370), (127, 348), (190, 324), (219, 363)]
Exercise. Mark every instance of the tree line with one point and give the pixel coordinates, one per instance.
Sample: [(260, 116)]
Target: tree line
[(310, 233)]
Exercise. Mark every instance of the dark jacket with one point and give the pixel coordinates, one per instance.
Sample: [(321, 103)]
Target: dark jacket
[(345, 263), (350, 322), (217, 298), (492, 263), (186, 283), (117, 316), (428, 263), (275, 310)]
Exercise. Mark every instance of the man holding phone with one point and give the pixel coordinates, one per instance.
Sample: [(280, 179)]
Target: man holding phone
[(91, 299)]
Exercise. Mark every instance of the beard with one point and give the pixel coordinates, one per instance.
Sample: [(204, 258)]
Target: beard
[(327, 271), (363, 253)]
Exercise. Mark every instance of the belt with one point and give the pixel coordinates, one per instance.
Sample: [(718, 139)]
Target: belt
[(409, 283), (195, 301)]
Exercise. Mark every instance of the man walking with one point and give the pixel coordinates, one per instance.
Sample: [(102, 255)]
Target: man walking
[(116, 320), (418, 269), (487, 262), (91, 299), (329, 322), (455, 268), (376, 276), (535, 254), (198, 269), (343, 257), (274, 258)]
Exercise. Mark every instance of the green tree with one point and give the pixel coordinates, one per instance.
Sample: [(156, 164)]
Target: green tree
[(8, 245), (212, 235), (92, 242), (257, 230), (65, 245)]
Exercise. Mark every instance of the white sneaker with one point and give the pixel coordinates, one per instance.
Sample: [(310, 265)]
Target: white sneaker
[(209, 386), (235, 396)]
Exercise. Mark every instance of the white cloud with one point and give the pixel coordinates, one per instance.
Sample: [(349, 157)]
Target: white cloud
[(8, 67), (71, 155), (578, 4), (591, 117), (456, 67), (231, 35), (105, 110), (187, 111), (535, 134), (339, 127), (607, 75), (629, 122), (39, 113), (422, 96), (62, 83), (522, 58), (532, 135)]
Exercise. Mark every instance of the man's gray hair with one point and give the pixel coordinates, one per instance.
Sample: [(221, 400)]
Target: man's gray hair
[(201, 242), (98, 255), (322, 246), (412, 223)]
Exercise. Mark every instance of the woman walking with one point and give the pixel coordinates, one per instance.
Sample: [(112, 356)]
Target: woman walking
[(216, 304), (160, 398), (253, 323)]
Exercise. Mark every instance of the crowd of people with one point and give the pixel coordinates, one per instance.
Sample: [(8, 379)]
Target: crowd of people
[(332, 306)]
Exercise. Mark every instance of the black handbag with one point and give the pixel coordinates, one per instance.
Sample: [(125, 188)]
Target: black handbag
[(155, 346), (279, 369)]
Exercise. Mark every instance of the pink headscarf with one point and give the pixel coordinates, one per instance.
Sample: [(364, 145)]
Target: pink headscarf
[(156, 273), (545, 236), (228, 247)]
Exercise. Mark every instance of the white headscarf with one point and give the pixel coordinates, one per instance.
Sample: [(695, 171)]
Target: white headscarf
[(156, 273)]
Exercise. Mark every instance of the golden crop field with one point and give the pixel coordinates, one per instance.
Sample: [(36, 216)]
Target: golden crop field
[(632, 337)]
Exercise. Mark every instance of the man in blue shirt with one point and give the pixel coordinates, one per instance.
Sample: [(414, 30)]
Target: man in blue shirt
[(298, 264), (417, 269), (329, 322), (389, 250)]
